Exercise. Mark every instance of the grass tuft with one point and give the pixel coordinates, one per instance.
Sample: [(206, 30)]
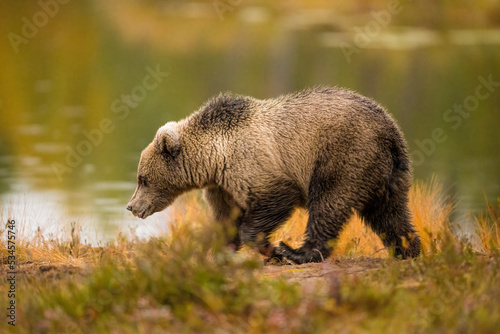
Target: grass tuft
[(488, 228)]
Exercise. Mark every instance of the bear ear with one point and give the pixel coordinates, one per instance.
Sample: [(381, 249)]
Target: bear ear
[(167, 140)]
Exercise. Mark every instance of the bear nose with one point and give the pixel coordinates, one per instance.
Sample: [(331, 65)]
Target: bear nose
[(129, 208)]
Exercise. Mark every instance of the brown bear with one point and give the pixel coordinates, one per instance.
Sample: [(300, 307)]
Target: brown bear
[(329, 150)]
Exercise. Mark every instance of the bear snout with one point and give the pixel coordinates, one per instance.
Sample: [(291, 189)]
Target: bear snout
[(138, 210), (132, 207)]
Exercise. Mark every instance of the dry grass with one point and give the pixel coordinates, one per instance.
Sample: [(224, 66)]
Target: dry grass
[(430, 208), (488, 229), (355, 239)]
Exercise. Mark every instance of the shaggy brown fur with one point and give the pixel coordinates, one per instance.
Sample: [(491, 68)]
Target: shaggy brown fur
[(327, 149)]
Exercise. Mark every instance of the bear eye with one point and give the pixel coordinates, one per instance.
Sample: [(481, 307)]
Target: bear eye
[(142, 180)]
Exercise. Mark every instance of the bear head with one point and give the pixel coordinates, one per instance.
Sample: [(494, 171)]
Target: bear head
[(160, 175)]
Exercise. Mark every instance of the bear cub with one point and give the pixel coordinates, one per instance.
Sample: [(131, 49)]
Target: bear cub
[(329, 150)]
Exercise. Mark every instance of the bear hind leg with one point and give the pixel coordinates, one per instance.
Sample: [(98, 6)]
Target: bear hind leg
[(391, 221)]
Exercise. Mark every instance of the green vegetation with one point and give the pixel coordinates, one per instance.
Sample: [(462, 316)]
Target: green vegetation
[(188, 282)]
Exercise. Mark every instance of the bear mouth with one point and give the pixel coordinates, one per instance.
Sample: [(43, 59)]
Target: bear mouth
[(148, 211), (144, 213)]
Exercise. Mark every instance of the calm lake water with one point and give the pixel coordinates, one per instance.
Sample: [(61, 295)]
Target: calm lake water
[(84, 92)]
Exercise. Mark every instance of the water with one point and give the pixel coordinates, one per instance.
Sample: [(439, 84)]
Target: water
[(85, 94)]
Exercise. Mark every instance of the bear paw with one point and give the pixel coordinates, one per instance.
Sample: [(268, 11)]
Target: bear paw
[(303, 254)]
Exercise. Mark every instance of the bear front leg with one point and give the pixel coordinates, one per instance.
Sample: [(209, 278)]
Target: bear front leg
[(259, 221), (226, 212), (260, 240), (267, 208), (326, 219)]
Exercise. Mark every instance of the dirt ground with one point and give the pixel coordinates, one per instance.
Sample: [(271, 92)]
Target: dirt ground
[(30, 270), (306, 274), (310, 273)]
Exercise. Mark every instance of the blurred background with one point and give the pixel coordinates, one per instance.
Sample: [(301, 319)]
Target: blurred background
[(84, 85)]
